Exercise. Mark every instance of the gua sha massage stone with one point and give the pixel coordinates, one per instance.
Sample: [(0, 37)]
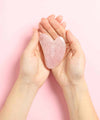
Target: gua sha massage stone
[(53, 50)]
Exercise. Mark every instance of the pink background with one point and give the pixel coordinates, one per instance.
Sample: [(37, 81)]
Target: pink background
[(17, 18)]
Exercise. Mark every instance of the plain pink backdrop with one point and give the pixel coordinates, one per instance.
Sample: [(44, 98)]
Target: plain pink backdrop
[(17, 18)]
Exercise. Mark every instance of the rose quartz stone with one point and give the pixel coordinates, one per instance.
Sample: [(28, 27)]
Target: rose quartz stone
[(53, 50)]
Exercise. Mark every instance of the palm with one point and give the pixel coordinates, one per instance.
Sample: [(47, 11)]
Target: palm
[(60, 73), (42, 71), (71, 68)]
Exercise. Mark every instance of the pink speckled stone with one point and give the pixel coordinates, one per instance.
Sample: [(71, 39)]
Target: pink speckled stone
[(53, 50)]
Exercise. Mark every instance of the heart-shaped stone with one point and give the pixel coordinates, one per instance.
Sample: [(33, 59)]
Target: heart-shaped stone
[(53, 50)]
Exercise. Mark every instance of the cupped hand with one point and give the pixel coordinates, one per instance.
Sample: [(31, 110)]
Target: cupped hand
[(32, 68), (71, 70)]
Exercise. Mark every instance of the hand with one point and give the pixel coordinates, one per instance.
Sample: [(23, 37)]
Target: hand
[(32, 68), (71, 70)]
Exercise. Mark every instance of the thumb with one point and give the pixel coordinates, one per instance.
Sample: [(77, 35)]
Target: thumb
[(72, 40), (34, 41)]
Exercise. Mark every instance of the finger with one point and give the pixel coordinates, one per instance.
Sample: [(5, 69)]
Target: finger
[(59, 18), (34, 41), (57, 27), (42, 30), (63, 24), (48, 28), (73, 40)]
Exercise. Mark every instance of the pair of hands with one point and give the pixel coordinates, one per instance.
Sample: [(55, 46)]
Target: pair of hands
[(33, 73), (69, 72)]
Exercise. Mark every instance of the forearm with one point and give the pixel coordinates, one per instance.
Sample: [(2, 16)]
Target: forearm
[(79, 103), (19, 101)]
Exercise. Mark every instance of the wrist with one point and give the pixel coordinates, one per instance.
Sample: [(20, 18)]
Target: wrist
[(79, 102), (78, 88), (27, 82), (74, 93), (75, 83)]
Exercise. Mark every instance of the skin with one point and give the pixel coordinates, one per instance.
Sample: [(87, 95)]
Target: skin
[(70, 72), (65, 73), (33, 73)]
